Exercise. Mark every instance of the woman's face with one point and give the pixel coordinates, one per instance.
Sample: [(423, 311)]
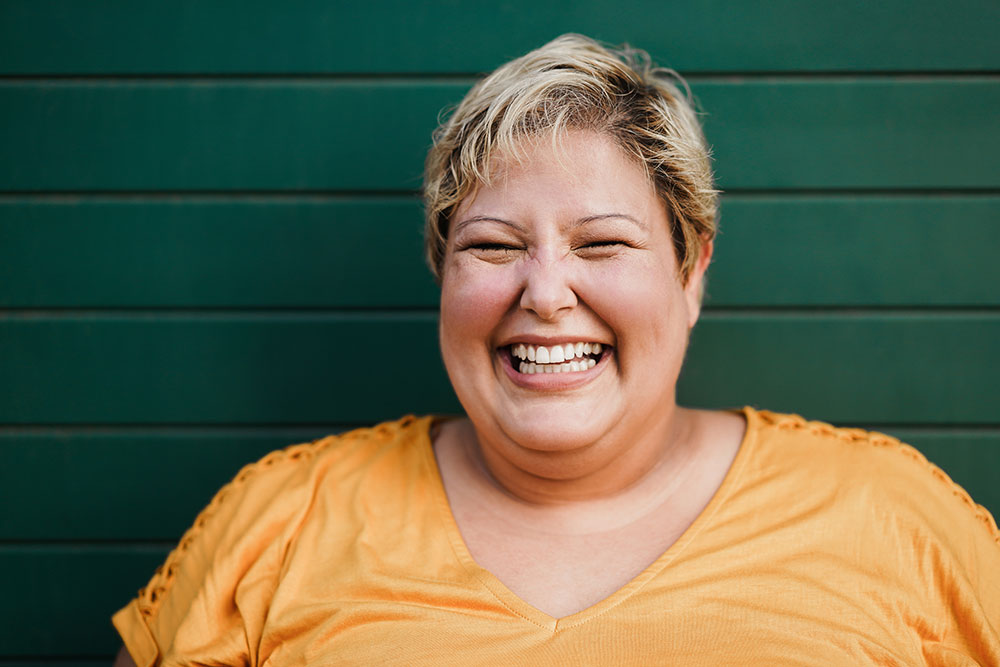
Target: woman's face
[(567, 248)]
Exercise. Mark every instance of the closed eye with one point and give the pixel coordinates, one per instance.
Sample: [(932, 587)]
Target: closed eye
[(602, 248), (492, 252), (492, 246)]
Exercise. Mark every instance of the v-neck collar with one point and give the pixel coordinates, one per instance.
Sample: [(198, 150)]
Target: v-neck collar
[(522, 609)]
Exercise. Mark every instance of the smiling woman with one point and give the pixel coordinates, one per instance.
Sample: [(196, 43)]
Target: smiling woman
[(551, 256), (577, 514)]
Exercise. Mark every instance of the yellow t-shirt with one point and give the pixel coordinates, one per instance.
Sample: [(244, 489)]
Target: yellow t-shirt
[(822, 546)]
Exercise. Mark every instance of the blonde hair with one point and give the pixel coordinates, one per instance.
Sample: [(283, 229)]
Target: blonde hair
[(573, 82)]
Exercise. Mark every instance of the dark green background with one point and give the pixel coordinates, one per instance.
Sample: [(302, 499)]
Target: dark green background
[(209, 231)]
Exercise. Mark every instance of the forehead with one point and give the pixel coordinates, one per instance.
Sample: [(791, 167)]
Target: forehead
[(581, 171)]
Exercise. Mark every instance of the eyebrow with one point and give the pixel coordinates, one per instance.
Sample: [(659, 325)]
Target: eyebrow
[(485, 218), (577, 223), (604, 216)]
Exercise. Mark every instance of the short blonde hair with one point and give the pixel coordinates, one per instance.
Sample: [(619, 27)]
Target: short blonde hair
[(573, 82)]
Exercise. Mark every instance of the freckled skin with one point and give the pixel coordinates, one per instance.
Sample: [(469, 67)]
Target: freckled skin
[(575, 246)]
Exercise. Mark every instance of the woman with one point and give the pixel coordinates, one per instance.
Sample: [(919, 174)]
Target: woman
[(578, 515)]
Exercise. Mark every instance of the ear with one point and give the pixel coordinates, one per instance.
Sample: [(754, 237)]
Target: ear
[(695, 288)]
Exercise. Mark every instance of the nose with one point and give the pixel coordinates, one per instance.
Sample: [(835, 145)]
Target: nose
[(547, 288)]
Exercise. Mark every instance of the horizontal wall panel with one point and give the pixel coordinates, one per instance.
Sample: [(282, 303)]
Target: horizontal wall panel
[(121, 485), (58, 600), (269, 368), (217, 135), (854, 134), (183, 253), (861, 368), (59, 662), (397, 36), (149, 486), (856, 251), (367, 252), (220, 369), (372, 135)]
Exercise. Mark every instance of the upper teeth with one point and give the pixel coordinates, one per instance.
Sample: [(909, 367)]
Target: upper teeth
[(555, 354)]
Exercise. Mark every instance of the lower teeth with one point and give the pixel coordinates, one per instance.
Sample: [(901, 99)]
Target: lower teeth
[(530, 368)]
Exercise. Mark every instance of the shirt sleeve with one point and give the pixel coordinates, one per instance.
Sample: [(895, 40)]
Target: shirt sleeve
[(973, 591), (954, 554), (207, 603)]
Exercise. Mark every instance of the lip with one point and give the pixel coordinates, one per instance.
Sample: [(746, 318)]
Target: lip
[(548, 341), (551, 381)]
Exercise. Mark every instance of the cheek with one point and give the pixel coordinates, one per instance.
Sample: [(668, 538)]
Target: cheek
[(644, 298), (472, 303)]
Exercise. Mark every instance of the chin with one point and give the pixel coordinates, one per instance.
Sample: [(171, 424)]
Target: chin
[(567, 430)]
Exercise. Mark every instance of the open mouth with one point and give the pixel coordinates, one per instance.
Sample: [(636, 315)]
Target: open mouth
[(564, 358)]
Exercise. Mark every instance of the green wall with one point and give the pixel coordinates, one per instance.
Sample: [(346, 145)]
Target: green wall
[(209, 230)]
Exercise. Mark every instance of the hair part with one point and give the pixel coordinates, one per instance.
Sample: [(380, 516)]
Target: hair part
[(575, 83)]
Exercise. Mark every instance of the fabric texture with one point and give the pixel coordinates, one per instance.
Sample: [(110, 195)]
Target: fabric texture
[(822, 546)]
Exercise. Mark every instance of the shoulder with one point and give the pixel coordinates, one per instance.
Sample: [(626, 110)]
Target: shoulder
[(881, 474), (263, 506), (334, 458), (298, 469), (239, 543), (895, 524)]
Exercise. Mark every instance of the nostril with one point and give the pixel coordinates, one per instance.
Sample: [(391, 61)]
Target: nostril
[(548, 301)]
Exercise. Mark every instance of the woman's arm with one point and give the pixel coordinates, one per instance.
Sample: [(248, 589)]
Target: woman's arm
[(123, 659)]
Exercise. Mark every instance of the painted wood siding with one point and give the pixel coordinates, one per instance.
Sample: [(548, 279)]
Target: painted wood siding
[(210, 232)]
